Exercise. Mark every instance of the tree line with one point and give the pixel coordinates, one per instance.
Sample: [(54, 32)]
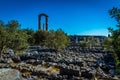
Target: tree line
[(13, 37)]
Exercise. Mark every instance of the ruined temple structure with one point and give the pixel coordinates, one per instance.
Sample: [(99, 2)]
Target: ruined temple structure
[(45, 26), (75, 39)]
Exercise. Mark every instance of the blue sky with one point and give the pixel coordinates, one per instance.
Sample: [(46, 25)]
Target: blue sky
[(82, 17)]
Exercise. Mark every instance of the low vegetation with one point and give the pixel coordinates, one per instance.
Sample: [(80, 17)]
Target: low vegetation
[(13, 37), (90, 42)]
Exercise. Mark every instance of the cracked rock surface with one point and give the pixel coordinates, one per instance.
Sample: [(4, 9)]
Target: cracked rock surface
[(72, 63)]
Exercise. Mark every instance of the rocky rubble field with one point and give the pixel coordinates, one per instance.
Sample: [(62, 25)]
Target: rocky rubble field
[(72, 63)]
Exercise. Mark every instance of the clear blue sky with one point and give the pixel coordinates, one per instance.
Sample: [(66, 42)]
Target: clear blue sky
[(73, 16)]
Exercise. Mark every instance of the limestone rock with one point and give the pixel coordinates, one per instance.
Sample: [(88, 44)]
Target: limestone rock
[(10, 74)]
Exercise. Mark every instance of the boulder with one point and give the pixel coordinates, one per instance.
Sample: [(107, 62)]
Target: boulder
[(70, 71), (16, 58), (10, 74), (86, 74), (4, 65)]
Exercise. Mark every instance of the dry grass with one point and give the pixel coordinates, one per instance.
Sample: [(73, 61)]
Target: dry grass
[(44, 66), (13, 64), (53, 69), (26, 73)]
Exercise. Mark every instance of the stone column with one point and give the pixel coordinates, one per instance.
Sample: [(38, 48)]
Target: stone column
[(46, 23), (45, 26), (39, 22)]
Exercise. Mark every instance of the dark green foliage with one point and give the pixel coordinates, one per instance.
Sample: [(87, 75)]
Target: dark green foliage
[(30, 34), (12, 37), (115, 13), (12, 26), (58, 39), (40, 37), (3, 37), (52, 39), (107, 44), (115, 35)]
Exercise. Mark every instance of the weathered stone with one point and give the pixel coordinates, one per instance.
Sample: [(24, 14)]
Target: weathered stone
[(72, 62), (9, 61), (10, 74), (115, 78), (34, 62), (16, 59), (69, 71), (86, 74), (4, 65)]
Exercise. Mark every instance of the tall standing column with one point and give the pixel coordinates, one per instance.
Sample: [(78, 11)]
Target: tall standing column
[(43, 27), (46, 23), (39, 22), (40, 26)]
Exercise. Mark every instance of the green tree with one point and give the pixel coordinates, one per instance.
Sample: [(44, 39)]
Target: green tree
[(30, 34), (12, 37), (57, 39), (17, 37), (19, 41), (115, 35), (61, 40), (3, 37), (107, 44), (51, 39), (12, 26), (41, 37)]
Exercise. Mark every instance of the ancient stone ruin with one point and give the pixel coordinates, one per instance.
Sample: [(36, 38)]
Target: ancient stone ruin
[(40, 25), (73, 63)]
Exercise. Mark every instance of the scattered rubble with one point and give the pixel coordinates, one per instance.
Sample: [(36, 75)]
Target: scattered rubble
[(71, 64)]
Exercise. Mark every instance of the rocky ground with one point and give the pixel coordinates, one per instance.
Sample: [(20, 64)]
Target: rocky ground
[(72, 63)]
